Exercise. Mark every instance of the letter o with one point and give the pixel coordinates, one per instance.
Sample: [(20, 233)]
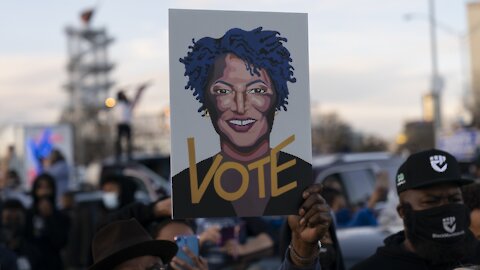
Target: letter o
[(231, 196)]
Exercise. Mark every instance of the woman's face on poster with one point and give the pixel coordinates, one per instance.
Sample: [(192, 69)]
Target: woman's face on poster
[(240, 102)]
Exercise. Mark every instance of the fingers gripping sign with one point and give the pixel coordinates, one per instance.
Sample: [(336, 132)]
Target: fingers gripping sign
[(311, 224), (314, 216)]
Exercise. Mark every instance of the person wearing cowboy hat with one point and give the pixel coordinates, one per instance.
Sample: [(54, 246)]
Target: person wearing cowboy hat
[(124, 244), (436, 221)]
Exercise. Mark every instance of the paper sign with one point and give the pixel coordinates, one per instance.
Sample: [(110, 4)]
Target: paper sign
[(240, 113)]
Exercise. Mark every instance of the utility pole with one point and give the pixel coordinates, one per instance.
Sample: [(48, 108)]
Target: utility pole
[(436, 84)]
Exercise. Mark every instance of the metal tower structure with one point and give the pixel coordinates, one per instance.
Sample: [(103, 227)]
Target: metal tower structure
[(88, 86)]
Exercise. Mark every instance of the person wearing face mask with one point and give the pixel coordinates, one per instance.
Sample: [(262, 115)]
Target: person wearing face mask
[(46, 227), (436, 221), (110, 194), (118, 191)]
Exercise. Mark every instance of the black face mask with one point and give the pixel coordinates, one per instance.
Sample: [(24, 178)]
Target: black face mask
[(439, 234)]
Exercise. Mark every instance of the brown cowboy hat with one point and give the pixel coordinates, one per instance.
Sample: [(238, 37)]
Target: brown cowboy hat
[(123, 240)]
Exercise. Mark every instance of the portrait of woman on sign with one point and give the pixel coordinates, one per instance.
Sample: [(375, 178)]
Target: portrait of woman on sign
[(242, 82)]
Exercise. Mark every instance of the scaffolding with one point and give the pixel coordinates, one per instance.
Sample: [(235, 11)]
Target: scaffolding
[(88, 87)]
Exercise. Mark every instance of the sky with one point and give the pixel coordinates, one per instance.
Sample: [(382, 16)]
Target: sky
[(367, 63)]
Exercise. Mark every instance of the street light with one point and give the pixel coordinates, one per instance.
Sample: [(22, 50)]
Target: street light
[(110, 102)]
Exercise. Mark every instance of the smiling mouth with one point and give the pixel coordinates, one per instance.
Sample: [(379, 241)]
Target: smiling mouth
[(241, 125)]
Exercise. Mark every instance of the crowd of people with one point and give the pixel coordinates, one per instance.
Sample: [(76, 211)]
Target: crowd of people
[(45, 229)]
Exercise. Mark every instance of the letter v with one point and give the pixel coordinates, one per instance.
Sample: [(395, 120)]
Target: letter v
[(196, 190)]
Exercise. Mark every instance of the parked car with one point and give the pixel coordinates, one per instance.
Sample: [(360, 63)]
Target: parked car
[(150, 184), (356, 174), (149, 173)]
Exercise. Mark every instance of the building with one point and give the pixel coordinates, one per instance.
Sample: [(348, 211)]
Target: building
[(417, 136)]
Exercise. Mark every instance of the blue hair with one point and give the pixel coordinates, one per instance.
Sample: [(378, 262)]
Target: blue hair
[(260, 49)]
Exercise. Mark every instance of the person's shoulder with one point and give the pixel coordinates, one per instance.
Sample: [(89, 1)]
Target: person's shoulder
[(391, 256), (381, 259)]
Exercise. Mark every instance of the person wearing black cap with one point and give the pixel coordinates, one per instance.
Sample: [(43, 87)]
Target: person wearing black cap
[(124, 244), (436, 221)]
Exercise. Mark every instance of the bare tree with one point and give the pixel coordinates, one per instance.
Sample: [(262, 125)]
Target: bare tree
[(331, 134)]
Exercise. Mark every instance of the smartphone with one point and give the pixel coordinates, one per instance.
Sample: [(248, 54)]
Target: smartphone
[(190, 241)]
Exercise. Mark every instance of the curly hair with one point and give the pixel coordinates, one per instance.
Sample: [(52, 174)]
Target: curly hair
[(471, 196), (259, 49)]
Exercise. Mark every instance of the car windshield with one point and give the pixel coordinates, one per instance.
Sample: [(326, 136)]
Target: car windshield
[(361, 187), (358, 185)]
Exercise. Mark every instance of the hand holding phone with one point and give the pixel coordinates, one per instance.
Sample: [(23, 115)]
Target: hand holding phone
[(187, 256), (189, 241)]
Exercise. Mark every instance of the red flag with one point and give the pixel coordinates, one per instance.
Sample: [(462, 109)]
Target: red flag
[(87, 15)]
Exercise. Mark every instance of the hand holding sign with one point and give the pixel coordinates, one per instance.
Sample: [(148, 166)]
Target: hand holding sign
[(310, 225)]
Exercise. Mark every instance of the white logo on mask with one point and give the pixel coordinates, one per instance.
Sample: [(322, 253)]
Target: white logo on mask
[(438, 163), (449, 224)]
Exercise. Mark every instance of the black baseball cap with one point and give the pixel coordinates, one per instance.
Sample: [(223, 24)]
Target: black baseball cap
[(427, 168)]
